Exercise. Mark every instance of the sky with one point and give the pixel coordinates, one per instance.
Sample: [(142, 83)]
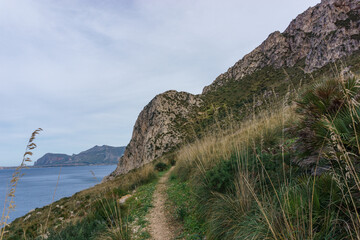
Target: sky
[(83, 69)]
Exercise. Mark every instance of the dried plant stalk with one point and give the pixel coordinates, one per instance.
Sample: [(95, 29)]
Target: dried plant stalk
[(9, 205)]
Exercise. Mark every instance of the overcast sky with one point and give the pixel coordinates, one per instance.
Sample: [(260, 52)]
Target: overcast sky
[(83, 70)]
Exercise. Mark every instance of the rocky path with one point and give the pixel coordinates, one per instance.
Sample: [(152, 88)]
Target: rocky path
[(162, 226)]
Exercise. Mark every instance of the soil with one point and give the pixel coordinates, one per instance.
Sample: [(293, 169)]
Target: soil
[(162, 225)]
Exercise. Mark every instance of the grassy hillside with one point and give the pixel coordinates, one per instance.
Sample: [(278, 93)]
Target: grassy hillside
[(251, 183), (238, 100)]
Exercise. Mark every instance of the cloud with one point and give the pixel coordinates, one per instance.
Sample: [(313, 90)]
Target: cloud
[(83, 70)]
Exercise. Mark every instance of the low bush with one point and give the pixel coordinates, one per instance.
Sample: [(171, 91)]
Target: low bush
[(172, 161), (161, 166), (221, 177), (329, 123)]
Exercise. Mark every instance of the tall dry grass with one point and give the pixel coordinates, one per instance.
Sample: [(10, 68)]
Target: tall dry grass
[(195, 160), (118, 223), (219, 145), (9, 204), (299, 207)]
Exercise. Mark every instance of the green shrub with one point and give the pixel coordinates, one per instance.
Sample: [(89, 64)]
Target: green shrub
[(161, 166), (172, 161), (221, 177), (84, 230), (330, 116)]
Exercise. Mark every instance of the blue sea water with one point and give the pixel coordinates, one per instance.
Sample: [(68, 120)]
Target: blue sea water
[(36, 188)]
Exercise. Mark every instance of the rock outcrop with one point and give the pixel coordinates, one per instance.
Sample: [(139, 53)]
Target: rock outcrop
[(320, 35), (97, 155), (155, 131)]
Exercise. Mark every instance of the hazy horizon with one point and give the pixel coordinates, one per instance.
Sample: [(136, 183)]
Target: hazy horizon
[(84, 71)]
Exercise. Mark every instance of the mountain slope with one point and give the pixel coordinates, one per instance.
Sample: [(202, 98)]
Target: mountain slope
[(93, 156), (318, 37)]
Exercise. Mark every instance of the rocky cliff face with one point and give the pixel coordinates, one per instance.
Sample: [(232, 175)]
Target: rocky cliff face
[(155, 131), (96, 155), (320, 35)]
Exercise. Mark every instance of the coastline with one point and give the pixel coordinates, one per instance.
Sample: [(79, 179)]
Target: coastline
[(43, 180), (60, 165)]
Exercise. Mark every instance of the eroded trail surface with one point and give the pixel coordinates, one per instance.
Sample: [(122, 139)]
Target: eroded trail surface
[(161, 224)]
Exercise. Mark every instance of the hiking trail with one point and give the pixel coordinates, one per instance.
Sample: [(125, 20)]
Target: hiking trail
[(162, 226)]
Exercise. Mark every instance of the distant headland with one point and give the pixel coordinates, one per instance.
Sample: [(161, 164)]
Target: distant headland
[(98, 155)]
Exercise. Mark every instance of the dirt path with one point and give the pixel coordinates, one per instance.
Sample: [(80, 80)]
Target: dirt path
[(161, 224)]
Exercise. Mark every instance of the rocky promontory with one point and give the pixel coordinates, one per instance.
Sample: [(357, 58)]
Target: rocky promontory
[(98, 155), (155, 131)]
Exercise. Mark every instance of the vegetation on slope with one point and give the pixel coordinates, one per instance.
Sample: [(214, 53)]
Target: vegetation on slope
[(239, 99), (249, 183), (94, 213)]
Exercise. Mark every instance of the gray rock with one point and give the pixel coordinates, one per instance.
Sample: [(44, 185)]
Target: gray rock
[(320, 35), (154, 132)]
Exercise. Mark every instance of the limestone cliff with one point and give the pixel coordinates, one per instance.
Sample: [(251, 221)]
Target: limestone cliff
[(155, 131), (320, 35)]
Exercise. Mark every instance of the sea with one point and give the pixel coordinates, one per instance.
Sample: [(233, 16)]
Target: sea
[(37, 186)]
